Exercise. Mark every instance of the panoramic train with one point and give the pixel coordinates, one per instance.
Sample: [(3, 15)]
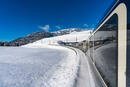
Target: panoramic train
[(109, 47)]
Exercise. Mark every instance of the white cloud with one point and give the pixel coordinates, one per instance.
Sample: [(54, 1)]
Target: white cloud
[(58, 27), (85, 25), (45, 28)]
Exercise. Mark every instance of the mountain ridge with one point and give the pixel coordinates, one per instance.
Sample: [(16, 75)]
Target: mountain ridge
[(34, 36)]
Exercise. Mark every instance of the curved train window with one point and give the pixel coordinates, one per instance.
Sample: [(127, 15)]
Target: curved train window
[(127, 2), (105, 51)]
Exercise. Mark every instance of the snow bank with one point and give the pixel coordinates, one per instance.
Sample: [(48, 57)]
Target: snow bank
[(64, 72), (37, 66)]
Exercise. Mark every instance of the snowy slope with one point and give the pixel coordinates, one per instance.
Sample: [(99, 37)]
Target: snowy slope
[(49, 66), (72, 37)]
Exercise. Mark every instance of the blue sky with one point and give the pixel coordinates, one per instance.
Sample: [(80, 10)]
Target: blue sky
[(21, 17)]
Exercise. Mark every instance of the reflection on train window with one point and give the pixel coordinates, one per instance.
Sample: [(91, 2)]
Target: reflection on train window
[(105, 51), (128, 56), (128, 43), (91, 45)]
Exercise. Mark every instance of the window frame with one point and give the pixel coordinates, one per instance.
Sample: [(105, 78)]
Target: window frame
[(121, 12)]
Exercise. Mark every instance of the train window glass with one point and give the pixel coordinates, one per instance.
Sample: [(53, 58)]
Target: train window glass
[(87, 52), (127, 2), (91, 45), (105, 51)]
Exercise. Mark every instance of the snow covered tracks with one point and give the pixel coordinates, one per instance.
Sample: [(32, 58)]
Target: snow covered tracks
[(87, 75), (84, 76)]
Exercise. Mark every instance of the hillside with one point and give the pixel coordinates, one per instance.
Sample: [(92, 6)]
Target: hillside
[(32, 37), (70, 35)]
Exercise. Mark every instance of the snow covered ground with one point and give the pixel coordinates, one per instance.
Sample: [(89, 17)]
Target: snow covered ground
[(49, 66), (39, 64)]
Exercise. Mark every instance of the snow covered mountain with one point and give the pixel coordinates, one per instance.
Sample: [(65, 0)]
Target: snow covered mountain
[(72, 37), (72, 33), (32, 37)]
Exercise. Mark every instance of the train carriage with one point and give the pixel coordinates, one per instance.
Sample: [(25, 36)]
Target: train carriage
[(109, 47)]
